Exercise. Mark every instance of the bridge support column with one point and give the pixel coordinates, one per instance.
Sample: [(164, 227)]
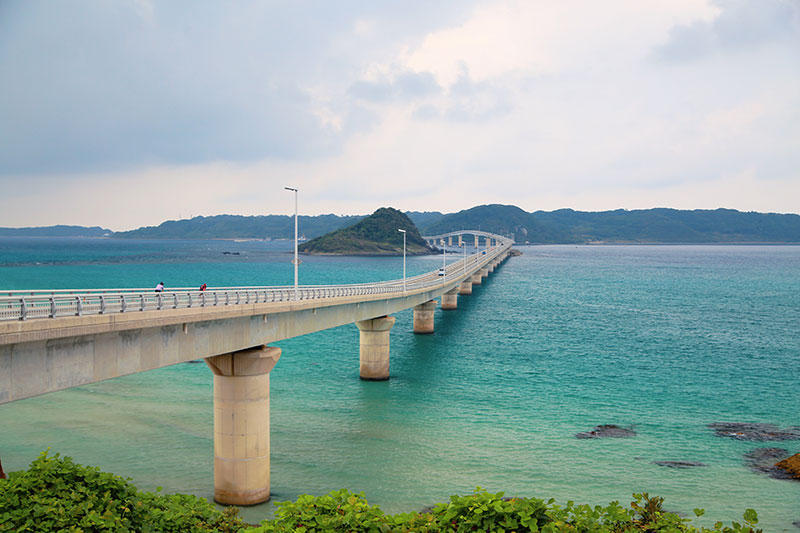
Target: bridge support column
[(461, 240), (241, 424), (476, 278), (423, 317), (374, 347), (450, 299), (484, 272), (465, 287)]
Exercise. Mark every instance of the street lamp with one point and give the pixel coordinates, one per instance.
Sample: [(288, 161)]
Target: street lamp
[(464, 246), (295, 240), (444, 259), (404, 258)]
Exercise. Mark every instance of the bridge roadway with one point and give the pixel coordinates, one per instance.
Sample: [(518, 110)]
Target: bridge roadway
[(56, 339)]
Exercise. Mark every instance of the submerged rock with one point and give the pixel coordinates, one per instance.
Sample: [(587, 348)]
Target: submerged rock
[(754, 431), (605, 431), (796, 523), (762, 460), (791, 465), (679, 464)]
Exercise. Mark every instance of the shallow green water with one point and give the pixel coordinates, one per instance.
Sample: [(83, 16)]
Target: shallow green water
[(666, 339)]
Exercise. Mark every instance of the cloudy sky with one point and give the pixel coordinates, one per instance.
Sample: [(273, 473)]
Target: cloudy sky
[(130, 112)]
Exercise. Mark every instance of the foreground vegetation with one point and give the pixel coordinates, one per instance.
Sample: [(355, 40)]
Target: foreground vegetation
[(56, 494)]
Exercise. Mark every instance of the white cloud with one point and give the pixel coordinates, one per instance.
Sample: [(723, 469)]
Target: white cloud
[(534, 38), (540, 104)]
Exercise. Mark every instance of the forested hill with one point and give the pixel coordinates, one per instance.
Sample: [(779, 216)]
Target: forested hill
[(241, 227), (255, 227), (622, 226), (376, 234), (561, 226), (56, 231)]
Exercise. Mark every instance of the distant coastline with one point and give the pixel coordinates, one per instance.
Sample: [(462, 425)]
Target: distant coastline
[(289, 241), (563, 226)]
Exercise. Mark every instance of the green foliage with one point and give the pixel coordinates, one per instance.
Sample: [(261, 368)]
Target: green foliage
[(484, 511), (55, 231), (374, 235), (56, 494), (572, 517), (649, 509), (241, 227), (337, 511), (643, 225), (560, 226)]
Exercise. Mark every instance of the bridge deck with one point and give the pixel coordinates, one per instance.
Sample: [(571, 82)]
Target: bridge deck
[(51, 340)]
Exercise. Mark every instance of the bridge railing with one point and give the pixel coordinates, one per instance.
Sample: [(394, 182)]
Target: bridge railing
[(30, 304)]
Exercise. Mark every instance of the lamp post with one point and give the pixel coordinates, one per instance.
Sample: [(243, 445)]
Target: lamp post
[(295, 239), (404, 258), (464, 246)]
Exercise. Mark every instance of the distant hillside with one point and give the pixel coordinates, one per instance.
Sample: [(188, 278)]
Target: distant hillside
[(548, 227), (621, 226), (671, 225), (423, 219), (55, 231), (374, 235), (241, 227), (495, 218)]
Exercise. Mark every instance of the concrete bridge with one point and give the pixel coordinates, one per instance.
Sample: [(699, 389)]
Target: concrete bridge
[(456, 238), (56, 339)]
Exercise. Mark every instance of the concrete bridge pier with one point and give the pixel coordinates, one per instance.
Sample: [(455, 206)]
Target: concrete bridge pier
[(374, 347), (484, 272), (423, 317), (465, 287), (450, 298), (241, 424), (476, 278)]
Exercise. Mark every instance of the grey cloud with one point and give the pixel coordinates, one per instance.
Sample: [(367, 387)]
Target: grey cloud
[(741, 24), (426, 112), (359, 120), (416, 84), (372, 91), (406, 86), (94, 85), (471, 101)]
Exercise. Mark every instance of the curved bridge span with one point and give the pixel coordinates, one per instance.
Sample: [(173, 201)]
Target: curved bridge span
[(55, 339)]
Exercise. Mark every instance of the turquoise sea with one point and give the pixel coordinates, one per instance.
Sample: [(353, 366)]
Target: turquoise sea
[(663, 339)]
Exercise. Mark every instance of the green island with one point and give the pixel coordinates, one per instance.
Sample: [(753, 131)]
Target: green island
[(57, 494), (376, 234)]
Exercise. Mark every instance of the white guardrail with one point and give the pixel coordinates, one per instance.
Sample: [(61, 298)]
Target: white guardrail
[(30, 304)]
